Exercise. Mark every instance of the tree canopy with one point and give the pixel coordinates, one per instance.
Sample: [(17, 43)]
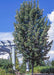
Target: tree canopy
[(31, 32)]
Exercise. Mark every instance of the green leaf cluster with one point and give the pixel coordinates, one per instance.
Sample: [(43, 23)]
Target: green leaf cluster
[(6, 64), (17, 64), (43, 69)]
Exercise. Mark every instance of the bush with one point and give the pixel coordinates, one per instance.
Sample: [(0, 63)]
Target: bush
[(43, 69), (5, 64), (3, 72), (22, 68)]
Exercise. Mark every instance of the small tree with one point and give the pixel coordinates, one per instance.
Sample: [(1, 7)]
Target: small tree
[(31, 33), (17, 64), (16, 61)]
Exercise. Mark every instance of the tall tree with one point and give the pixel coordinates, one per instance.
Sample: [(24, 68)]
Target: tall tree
[(31, 33)]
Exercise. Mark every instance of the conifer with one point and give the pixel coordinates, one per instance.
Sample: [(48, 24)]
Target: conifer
[(31, 33)]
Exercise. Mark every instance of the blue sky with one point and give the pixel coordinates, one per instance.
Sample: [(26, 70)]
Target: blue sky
[(8, 10), (7, 18)]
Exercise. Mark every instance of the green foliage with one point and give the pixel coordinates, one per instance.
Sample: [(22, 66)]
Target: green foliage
[(23, 68), (44, 69), (6, 64), (16, 60), (52, 63), (17, 64), (31, 33), (3, 72)]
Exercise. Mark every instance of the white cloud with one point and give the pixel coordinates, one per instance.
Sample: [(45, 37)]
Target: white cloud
[(51, 54), (51, 16), (51, 34), (51, 30), (6, 36)]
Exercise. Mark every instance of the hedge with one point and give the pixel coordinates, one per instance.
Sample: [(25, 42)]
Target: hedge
[(3, 72), (43, 69)]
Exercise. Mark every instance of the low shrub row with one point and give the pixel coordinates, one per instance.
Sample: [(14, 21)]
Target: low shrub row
[(6, 64), (3, 72), (44, 69)]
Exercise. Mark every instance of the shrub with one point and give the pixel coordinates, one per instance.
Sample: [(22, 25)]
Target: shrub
[(5, 64), (43, 69), (22, 68), (3, 72)]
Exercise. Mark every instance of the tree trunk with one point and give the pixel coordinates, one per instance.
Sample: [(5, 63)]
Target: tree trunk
[(32, 68)]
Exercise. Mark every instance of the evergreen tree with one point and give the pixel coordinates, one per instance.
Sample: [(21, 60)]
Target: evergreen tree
[(31, 33)]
